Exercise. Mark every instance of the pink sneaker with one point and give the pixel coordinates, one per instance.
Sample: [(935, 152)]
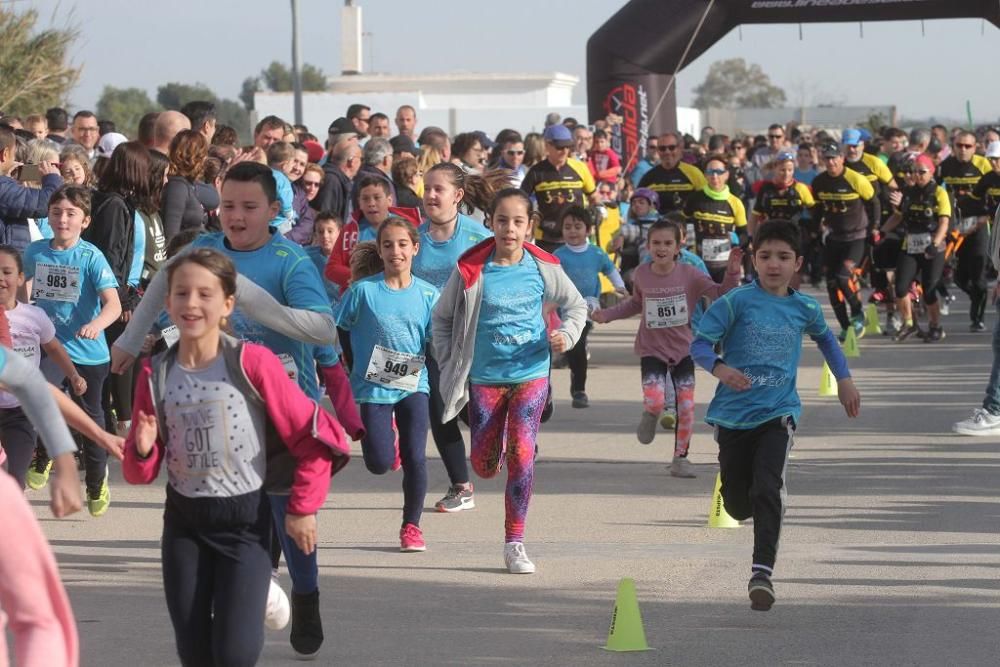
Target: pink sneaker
[(411, 539)]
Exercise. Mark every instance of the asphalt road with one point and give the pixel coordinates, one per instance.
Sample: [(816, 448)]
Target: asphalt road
[(889, 554)]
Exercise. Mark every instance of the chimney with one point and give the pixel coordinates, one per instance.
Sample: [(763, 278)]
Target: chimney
[(350, 38)]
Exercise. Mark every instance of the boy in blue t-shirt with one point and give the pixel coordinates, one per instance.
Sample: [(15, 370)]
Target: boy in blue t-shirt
[(756, 407), (584, 263)]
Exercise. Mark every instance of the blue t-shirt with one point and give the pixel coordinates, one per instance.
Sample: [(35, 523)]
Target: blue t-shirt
[(389, 333), (43, 227), (284, 270), (138, 252), (285, 198), (584, 268), (319, 260), (367, 231), (69, 291), (512, 345), (761, 336), (436, 259)]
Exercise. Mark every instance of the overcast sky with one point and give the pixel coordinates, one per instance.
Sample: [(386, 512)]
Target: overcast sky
[(146, 43)]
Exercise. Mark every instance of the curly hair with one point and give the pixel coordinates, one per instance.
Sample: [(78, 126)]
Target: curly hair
[(188, 152)]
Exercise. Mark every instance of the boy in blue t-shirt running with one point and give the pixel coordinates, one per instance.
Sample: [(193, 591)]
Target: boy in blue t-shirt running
[(756, 406)]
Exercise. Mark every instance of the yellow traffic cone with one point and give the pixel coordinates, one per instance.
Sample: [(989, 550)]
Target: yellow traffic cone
[(718, 517), (827, 382), (626, 632), (872, 325), (850, 346)]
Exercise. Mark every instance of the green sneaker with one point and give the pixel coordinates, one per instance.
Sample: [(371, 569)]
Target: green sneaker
[(99, 505), (38, 473)]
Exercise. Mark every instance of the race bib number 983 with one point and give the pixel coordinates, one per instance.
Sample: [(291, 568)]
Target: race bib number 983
[(56, 282)]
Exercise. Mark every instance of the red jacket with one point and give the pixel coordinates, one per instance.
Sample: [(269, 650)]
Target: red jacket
[(314, 438), (338, 267)]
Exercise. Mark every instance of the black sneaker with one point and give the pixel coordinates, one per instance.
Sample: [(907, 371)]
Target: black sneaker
[(307, 626), (761, 592), (977, 327), (934, 334), (580, 399), (907, 331), (456, 500)]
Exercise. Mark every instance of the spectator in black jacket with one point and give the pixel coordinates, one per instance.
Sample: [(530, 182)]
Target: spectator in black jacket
[(339, 172), (408, 180), (17, 202), (186, 198)]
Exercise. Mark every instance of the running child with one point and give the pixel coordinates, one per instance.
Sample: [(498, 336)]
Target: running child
[(756, 407), (70, 280), (388, 315), (443, 238), (204, 407), (584, 263), (326, 231), (491, 343), (31, 332), (630, 240), (666, 292)]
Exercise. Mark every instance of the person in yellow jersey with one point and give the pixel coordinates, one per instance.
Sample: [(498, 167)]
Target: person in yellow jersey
[(923, 209), (716, 214), (672, 180), (848, 210), (959, 174), (555, 184), (783, 198)]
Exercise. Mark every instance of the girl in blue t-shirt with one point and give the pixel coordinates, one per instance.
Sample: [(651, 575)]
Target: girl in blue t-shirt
[(489, 332), (388, 315), (72, 282)]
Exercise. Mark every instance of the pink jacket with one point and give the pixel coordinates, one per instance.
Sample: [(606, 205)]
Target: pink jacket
[(311, 434), (32, 598)]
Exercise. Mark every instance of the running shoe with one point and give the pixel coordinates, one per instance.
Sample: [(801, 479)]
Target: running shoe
[(647, 428), (977, 327), (842, 336), (516, 559), (945, 310), (859, 326), (306, 637), (456, 500), (122, 427), (934, 334), (892, 325), (97, 504), (411, 539), (38, 473), (681, 467), (982, 422), (907, 331), (761, 592), (580, 399), (668, 419), (278, 610)]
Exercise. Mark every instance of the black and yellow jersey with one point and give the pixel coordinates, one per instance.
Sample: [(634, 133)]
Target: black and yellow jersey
[(841, 203), (555, 189), (960, 179), (776, 203), (987, 190), (872, 168), (714, 215), (922, 207), (674, 186)]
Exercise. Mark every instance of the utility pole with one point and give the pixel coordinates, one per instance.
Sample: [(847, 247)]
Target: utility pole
[(296, 63)]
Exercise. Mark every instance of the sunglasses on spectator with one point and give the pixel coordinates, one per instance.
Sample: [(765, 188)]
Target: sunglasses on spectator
[(775, 136), (716, 172), (667, 147), (965, 145), (515, 152)]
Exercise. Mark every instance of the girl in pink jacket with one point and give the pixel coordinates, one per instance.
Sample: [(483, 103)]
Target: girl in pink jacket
[(205, 407)]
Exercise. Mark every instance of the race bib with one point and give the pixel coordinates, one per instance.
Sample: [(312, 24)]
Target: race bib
[(916, 244), (716, 250), (56, 282), (667, 311), (170, 335), (290, 366), (396, 370), (690, 235)]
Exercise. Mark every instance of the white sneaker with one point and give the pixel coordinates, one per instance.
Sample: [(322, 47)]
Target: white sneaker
[(516, 559), (681, 467), (980, 423), (278, 610)]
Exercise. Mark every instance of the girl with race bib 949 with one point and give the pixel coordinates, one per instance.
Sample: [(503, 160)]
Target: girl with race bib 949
[(388, 315)]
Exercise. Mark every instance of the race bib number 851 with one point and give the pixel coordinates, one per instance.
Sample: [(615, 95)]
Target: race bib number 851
[(668, 311)]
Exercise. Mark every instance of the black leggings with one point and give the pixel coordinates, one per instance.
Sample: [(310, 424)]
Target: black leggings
[(577, 358), (18, 437), (840, 259), (117, 387), (970, 275), (884, 258), (95, 459), (908, 267), (379, 447), (216, 575), (447, 436)]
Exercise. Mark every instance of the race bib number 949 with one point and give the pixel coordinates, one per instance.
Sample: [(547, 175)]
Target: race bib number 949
[(393, 369)]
